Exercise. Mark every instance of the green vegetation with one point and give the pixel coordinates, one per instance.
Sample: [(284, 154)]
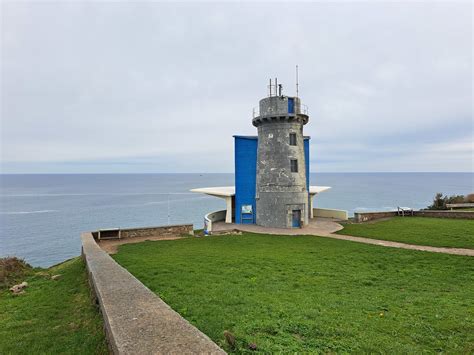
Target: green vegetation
[(437, 232), (52, 316), (310, 294), (440, 201), (13, 270)]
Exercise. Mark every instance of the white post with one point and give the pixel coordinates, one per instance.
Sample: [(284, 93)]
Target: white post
[(311, 212), (228, 215), (168, 209)]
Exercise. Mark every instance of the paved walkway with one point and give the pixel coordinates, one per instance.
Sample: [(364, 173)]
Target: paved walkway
[(325, 227), (317, 226)]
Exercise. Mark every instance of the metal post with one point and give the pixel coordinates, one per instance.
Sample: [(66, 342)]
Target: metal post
[(296, 80), (168, 209)]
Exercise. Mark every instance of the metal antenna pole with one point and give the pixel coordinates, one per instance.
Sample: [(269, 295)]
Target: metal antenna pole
[(270, 87), (168, 208), (297, 80)]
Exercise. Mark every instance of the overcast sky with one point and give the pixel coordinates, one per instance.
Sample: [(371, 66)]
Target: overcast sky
[(161, 87)]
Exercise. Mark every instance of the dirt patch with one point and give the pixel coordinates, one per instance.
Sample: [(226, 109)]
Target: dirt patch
[(111, 246)]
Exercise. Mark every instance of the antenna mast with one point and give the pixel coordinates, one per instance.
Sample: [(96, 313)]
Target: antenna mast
[(297, 80)]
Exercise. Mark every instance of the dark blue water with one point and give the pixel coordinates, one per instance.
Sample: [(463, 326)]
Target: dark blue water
[(42, 216)]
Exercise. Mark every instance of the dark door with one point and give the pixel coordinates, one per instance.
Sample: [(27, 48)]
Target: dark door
[(296, 220), (291, 105)]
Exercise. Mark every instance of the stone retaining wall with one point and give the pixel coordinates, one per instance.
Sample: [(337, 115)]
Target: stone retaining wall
[(370, 216), (136, 320), (446, 214)]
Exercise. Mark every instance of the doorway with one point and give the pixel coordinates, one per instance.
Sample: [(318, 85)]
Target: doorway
[(296, 219)]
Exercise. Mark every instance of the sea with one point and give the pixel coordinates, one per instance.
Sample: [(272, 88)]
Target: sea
[(42, 216)]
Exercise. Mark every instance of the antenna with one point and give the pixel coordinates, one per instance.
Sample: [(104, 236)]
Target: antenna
[(297, 80), (270, 87), (276, 86)]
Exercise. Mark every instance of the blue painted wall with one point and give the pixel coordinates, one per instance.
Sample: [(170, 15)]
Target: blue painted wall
[(245, 174), (245, 150)]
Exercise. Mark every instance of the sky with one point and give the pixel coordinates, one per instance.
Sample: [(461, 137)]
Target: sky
[(148, 87)]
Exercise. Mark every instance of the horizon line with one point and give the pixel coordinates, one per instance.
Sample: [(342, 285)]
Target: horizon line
[(232, 173)]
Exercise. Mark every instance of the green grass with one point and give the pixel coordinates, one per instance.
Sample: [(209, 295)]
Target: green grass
[(437, 232), (52, 316), (311, 294)]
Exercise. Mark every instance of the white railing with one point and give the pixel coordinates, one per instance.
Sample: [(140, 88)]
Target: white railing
[(255, 112), (301, 109), (304, 109), (211, 217)]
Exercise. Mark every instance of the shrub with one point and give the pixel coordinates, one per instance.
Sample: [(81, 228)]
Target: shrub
[(470, 198), (440, 201), (12, 269)]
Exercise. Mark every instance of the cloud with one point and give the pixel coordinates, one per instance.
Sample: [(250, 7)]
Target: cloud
[(162, 87)]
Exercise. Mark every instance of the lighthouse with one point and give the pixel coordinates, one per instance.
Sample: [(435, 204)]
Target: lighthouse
[(272, 187), (282, 196)]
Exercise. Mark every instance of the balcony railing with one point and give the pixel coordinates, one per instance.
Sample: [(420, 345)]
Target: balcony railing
[(301, 109)]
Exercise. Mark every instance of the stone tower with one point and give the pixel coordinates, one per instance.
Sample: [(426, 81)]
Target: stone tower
[(281, 189)]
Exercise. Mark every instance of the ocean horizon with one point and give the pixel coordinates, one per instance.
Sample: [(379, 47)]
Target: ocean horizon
[(42, 215)]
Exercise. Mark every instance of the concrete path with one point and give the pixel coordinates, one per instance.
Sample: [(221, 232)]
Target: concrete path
[(316, 226), (386, 243), (326, 227)]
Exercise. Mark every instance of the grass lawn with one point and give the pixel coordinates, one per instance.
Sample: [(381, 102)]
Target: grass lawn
[(311, 294), (52, 317), (437, 232)]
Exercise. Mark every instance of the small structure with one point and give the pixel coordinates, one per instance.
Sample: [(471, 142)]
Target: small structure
[(405, 211), (272, 169)]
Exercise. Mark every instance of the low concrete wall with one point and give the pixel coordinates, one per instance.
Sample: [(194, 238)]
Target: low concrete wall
[(136, 320), (330, 213), (370, 216), (211, 217), (163, 231), (445, 214)]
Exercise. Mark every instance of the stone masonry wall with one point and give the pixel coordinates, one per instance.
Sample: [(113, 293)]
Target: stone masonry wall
[(370, 216), (277, 186)]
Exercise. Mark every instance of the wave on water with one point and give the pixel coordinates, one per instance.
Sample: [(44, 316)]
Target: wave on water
[(170, 201), (29, 212), (100, 194)]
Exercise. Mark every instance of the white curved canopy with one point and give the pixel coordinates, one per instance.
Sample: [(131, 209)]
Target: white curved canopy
[(221, 191), (227, 191), (313, 190)]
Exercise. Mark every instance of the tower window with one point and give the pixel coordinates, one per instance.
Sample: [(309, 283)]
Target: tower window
[(294, 165), (292, 138)]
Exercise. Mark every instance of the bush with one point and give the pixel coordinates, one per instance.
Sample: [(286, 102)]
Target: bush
[(470, 198), (440, 201), (12, 270)]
